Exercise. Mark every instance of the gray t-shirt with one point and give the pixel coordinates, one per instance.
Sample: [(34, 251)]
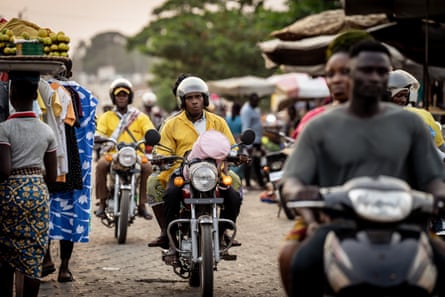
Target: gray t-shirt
[(29, 139), (251, 118), (337, 146)]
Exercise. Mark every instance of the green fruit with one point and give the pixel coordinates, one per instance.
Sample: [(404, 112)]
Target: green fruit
[(60, 37), (42, 33), (25, 35), (63, 46), (53, 36), (47, 41)]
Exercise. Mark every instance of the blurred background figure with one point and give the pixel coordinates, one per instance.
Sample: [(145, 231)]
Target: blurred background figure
[(234, 120), (150, 108), (403, 87), (251, 119), (292, 121)]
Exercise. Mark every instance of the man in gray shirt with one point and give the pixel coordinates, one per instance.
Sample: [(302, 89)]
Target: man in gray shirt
[(364, 137), (251, 119)]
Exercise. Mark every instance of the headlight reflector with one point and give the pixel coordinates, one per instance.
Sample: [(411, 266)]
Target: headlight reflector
[(203, 176), (127, 156), (381, 206)]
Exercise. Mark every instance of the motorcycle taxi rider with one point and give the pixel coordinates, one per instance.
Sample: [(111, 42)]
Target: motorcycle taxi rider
[(125, 124), (329, 157), (179, 133)]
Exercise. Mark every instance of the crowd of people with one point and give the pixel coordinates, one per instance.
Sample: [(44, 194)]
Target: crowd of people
[(366, 95)]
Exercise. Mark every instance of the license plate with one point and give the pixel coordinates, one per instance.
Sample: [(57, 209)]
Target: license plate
[(275, 176)]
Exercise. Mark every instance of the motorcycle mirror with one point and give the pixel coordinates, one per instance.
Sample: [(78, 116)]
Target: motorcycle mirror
[(247, 137), (152, 137)]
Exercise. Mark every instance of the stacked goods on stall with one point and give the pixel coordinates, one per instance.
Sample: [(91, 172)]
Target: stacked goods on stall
[(20, 37)]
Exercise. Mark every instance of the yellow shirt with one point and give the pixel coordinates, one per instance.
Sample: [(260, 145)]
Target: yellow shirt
[(109, 121), (428, 118), (179, 134)]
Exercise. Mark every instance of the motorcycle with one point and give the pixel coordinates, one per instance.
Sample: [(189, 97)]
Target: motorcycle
[(123, 184), (382, 246), (196, 237), (273, 169)]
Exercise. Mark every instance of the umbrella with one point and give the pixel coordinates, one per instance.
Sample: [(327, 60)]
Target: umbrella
[(241, 86), (306, 52), (328, 22), (304, 42), (418, 31), (309, 54), (292, 87)]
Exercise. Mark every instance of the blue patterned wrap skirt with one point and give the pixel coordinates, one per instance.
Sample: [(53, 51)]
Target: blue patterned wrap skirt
[(24, 223)]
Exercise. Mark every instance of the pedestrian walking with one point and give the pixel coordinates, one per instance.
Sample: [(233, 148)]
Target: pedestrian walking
[(27, 162)]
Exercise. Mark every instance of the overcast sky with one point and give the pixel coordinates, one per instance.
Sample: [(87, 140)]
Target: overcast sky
[(82, 19)]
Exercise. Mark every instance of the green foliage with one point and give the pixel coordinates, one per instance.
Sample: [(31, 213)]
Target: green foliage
[(213, 39), (110, 49)]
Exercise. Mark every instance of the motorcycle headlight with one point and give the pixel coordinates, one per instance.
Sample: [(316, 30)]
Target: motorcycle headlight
[(276, 165), (203, 176), (127, 156), (381, 206)]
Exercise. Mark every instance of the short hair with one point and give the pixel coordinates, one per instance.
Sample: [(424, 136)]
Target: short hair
[(179, 79), (368, 46), (23, 90), (343, 42), (254, 96)]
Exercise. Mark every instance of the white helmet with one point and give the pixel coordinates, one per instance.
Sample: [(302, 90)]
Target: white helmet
[(189, 85), (399, 79), (121, 84), (149, 99)]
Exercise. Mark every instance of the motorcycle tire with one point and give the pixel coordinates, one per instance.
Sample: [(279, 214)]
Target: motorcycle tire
[(206, 264), (122, 220)]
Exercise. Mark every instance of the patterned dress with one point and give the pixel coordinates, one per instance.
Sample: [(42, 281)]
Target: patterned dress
[(24, 218), (70, 210)]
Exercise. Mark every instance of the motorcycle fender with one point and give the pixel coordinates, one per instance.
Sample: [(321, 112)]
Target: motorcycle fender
[(357, 260), (205, 220)]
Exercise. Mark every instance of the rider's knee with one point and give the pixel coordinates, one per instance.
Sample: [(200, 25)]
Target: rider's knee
[(102, 165)]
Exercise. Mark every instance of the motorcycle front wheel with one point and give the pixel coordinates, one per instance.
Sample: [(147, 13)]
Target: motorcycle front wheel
[(206, 264), (122, 220)]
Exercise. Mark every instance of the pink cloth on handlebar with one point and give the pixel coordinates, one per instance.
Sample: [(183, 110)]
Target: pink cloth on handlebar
[(210, 144)]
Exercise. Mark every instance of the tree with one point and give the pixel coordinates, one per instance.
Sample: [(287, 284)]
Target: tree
[(213, 39), (109, 49)]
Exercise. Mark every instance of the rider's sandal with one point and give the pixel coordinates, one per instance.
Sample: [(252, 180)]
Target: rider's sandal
[(142, 212), (100, 212), (234, 242)]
